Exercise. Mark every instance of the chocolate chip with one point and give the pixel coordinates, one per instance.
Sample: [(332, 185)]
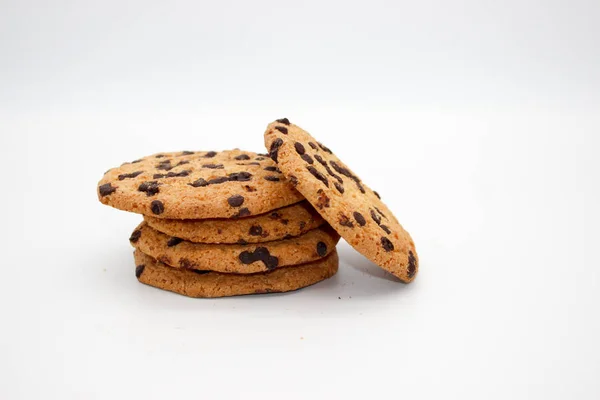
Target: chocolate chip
[(320, 159), (136, 161), (360, 187), (135, 236), (346, 172), (358, 217), (259, 158), (186, 153), (293, 180), (324, 148), (159, 156), (172, 174), (106, 189), (259, 254), (272, 178), (174, 241), (216, 181), (236, 200), (164, 165), (198, 183), (249, 188), (342, 170), (242, 242), (249, 163), (240, 176), (375, 217), (412, 264), (210, 154), (307, 158), (255, 230), (284, 121), (345, 221), (182, 162), (271, 169), (321, 249), (339, 187), (318, 175), (244, 212), (139, 270), (263, 154), (284, 221), (314, 146), (275, 148), (274, 215), (130, 175), (186, 264), (302, 225), (386, 229), (377, 194), (213, 166), (282, 129), (322, 199), (386, 244), (150, 188), (299, 148), (157, 207), (380, 212), (336, 177), (243, 157)]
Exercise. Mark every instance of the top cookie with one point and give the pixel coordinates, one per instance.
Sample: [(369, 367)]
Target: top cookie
[(197, 185), (351, 207)]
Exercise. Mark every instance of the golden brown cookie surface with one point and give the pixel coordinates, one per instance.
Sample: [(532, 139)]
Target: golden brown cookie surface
[(214, 284), (278, 224), (198, 185), (234, 258), (351, 207)]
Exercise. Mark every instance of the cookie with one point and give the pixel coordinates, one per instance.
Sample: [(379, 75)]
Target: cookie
[(198, 185), (234, 258), (289, 221), (354, 210), (196, 283)]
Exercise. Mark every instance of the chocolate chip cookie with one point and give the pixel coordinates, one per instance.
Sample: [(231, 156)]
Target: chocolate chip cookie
[(234, 258), (198, 185), (196, 283), (354, 210), (289, 221)]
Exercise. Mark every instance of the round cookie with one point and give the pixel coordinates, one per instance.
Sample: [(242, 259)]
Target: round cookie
[(285, 222), (195, 283), (234, 258), (198, 185), (351, 207)]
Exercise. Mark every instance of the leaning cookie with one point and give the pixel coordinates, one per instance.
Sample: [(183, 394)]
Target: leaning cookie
[(342, 198), (195, 283), (234, 258), (278, 224), (197, 185)]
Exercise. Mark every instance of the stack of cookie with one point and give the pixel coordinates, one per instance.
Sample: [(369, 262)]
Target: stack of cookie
[(220, 224), (237, 222)]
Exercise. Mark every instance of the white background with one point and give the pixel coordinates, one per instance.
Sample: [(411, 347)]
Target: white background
[(477, 121)]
